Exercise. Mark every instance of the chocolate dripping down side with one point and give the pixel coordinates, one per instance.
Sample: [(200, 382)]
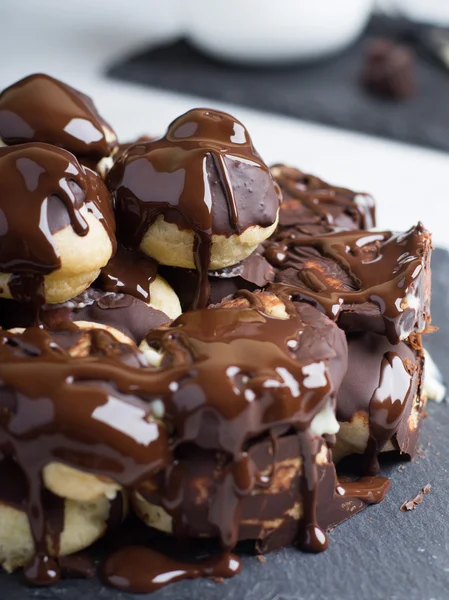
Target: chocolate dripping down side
[(42, 191), (384, 382), (262, 347), (129, 272), (109, 434), (204, 176)]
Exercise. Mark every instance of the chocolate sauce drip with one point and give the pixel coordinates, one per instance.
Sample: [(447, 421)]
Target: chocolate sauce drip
[(39, 108), (129, 272), (383, 382), (378, 281), (387, 405), (125, 313), (204, 176), (108, 433), (142, 570), (312, 537), (310, 206), (371, 490), (42, 190)]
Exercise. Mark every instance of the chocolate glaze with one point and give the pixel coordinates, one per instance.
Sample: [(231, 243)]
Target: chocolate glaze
[(129, 272), (142, 570), (204, 175), (252, 273), (278, 490), (311, 206), (42, 419), (129, 315), (383, 382), (361, 279), (39, 108), (42, 190), (124, 146), (245, 374)]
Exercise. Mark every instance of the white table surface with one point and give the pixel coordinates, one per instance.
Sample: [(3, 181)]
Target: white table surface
[(76, 41)]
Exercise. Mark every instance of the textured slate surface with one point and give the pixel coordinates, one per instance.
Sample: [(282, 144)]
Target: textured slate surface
[(380, 554), (327, 92)]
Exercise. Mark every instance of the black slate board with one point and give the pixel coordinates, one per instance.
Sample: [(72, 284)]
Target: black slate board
[(327, 92), (380, 554)]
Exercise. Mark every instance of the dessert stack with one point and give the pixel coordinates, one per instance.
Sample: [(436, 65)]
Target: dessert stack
[(190, 337)]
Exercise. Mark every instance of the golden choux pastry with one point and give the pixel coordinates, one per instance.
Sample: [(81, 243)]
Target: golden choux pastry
[(56, 221)]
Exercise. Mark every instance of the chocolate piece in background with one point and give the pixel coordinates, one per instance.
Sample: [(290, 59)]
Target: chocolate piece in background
[(389, 70), (327, 92), (381, 540), (252, 273)]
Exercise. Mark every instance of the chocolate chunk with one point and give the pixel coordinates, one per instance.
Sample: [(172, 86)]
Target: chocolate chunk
[(252, 273), (311, 206), (366, 281), (389, 70), (126, 313), (383, 382)]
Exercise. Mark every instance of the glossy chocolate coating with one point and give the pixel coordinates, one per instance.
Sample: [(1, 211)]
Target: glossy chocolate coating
[(43, 419), (311, 206), (126, 313), (384, 383), (366, 281), (129, 272), (199, 481), (204, 175), (253, 273), (39, 108), (42, 190), (245, 374)]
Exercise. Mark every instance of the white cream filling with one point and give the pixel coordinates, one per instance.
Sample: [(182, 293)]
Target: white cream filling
[(434, 388), (325, 421)]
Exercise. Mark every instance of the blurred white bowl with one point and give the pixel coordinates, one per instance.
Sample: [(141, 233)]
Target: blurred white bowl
[(267, 31)]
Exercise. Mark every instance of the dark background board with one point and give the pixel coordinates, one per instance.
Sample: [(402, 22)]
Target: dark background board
[(380, 554), (327, 92)]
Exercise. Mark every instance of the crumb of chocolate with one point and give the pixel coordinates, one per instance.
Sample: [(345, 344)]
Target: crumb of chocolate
[(261, 559), (217, 579), (414, 502)]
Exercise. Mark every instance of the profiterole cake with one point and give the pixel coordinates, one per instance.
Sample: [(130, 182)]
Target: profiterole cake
[(190, 344)]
